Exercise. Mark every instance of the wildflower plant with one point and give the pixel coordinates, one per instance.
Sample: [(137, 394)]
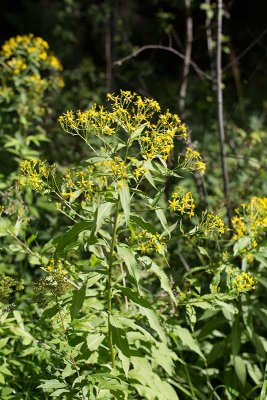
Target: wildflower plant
[(29, 73), (119, 235)]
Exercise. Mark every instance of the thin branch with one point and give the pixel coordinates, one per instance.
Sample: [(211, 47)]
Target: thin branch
[(198, 70), (244, 52), (187, 59), (108, 54), (210, 43), (220, 114)]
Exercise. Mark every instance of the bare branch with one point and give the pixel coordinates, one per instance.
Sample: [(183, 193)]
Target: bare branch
[(198, 70)]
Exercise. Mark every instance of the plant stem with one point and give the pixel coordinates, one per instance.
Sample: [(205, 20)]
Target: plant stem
[(109, 284)]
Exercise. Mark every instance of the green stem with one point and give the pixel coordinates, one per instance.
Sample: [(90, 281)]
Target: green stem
[(109, 284)]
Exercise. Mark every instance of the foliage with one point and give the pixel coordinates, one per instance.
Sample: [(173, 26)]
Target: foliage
[(114, 283)]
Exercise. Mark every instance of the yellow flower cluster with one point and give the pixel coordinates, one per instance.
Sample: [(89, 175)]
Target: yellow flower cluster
[(251, 220), (35, 80), (139, 172), (55, 267), (35, 174), (183, 203), (117, 167), (148, 242), (244, 282), (129, 112), (193, 161), (81, 181), (21, 51), (211, 223)]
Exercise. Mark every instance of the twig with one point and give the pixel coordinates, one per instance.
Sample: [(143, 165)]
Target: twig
[(108, 54), (198, 70), (210, 43), (244, 52), (220, 114), (187, 59)]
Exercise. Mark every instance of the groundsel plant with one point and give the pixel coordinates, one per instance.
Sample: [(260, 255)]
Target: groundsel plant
[(29, 73), (112, 343)]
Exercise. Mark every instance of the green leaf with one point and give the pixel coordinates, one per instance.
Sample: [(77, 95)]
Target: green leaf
[(3, 342), (94, 340), (2, 379), (164, 280), (241, 244), (57, 392), (254, 372), (154, 322), (150, 179), (120, 340), (236, 337), (135, 135), (240, 369), (164, 357), (227, 306), (5, 227), (161, 216), (142, 223), (102, 212), (4, 370), (151, 387), (263, 395), (51, 384), (71, 236), (127, 256), (125, 199), (77, 301), (49, 313), (188, 340), (146, 310)]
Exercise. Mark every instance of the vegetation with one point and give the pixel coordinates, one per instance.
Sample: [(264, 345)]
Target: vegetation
[(133, 244)]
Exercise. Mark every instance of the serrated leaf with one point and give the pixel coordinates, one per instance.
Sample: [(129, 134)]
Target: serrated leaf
[(188, 340), (146, 310), (164, 280), (164, 357)]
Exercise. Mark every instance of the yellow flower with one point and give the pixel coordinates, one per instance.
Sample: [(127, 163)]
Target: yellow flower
[(244, 282), (183, 203), (212, 223)]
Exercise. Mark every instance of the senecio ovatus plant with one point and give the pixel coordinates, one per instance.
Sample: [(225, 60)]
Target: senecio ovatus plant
[(113, 344), (29, 74)]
